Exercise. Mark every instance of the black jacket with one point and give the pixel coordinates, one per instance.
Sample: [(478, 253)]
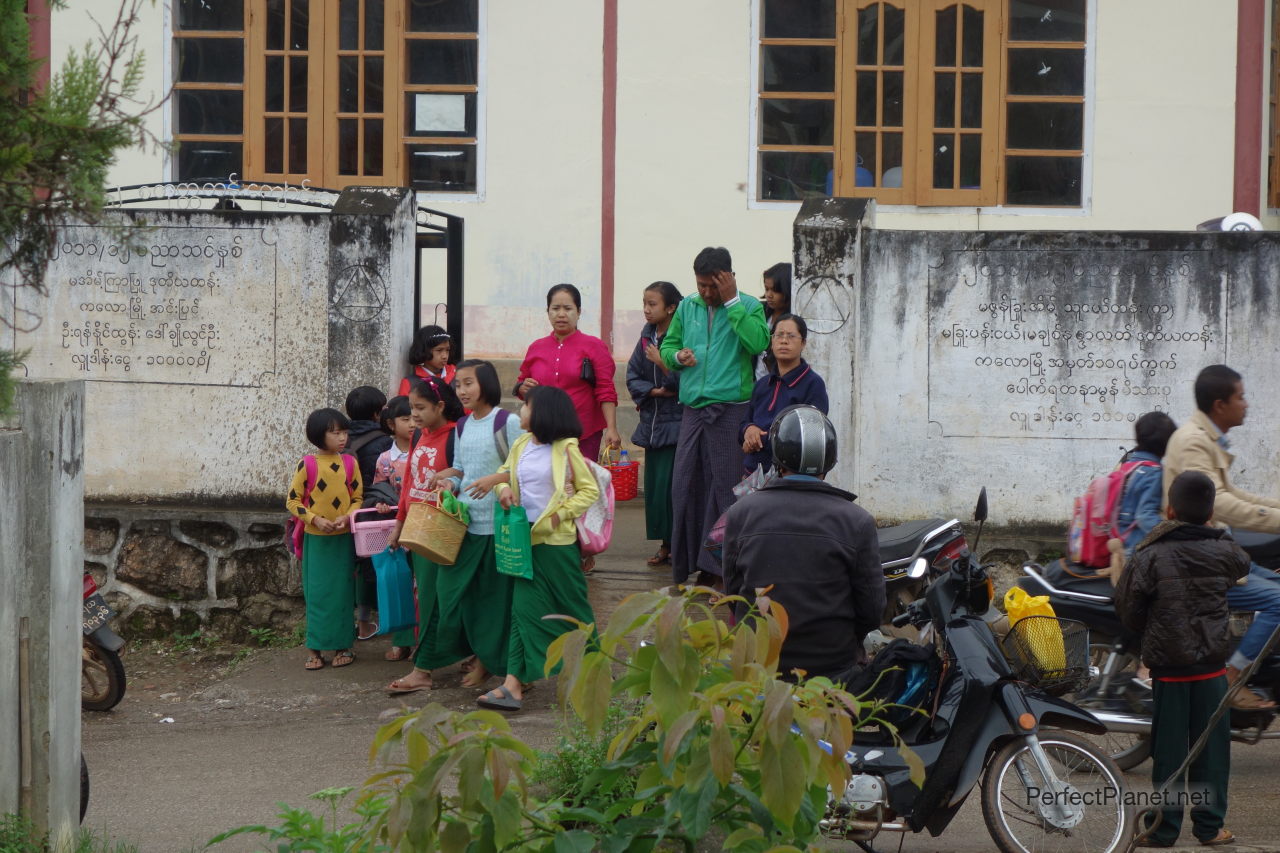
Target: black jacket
[(659, 424), (368, 450), (821, 554), (1173, 592)]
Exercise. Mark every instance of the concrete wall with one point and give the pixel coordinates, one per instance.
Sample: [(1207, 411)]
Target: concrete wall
[(684, 147), (1021, 361), (205, 339), (41, 538)]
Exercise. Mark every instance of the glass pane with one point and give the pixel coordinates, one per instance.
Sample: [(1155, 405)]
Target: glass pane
[(210, 111), (799, 19), (946, 38), (791, 176), (865, 109), (297, 84), (869, 35), (348, 84), (1047, 20), (865, 159), (971, 161), (895, 34), (373, 26), (1042, 180), (209, 161), (442, 61), (298, 146), (944, 161), (348, 145), (798, 69), (971, 54), (210, 60), (891, 159), (443, 16), (373, 84), (971, 100), (274, 145), (373, 146), (275, 24), (1037, 71), (349, 24), (797, 122), (1046, 126), (944, 99), (298, 25), (442, 168), (891, 113), (439, 114), (273, 92), (203, 15)]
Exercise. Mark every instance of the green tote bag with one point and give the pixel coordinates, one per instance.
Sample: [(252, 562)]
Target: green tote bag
[(512, 546)]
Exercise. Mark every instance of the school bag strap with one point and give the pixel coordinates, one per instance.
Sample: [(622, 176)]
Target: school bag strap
[(500, 441)]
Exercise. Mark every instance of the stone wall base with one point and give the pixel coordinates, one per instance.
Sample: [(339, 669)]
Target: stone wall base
[(181, 570)]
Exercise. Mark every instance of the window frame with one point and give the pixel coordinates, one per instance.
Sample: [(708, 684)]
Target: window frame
[(321, 154), (1084, 209)]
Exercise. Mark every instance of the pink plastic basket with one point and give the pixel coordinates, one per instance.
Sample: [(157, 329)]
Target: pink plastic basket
[(371, 536)]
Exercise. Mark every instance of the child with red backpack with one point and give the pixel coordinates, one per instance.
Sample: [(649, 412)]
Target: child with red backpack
[(326, 488)]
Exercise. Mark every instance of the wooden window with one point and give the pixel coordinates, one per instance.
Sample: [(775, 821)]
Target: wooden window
[(209, 89), (340, 92), (929, 102)]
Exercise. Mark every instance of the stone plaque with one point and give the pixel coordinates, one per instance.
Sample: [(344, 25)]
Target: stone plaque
[(170, 305), (1044, 343)]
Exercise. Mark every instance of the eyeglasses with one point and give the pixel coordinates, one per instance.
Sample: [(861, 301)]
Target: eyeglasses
[(785, 336)]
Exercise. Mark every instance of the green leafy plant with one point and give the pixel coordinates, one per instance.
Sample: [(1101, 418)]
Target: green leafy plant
[(19, 835), (303, 830), (716, 740), (563, 772), (189, 641)]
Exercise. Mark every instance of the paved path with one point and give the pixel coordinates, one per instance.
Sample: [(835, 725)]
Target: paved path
[(274, 732)]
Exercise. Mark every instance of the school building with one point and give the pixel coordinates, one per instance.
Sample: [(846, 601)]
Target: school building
[(603, 142)]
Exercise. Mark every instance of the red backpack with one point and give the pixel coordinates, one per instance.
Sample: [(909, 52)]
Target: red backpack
[(1095, 514)]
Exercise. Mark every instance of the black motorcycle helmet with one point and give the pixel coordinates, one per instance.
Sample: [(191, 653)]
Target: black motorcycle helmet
[(803, 441)]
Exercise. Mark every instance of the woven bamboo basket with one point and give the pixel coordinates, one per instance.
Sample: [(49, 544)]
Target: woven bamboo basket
[(432, 533)]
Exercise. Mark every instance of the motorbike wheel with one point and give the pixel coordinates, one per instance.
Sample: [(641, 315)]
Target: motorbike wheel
[(101, 678), (1021, 822), (1127, 749), (84, 787)]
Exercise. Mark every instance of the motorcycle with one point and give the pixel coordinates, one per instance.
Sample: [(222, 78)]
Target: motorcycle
[(936, 542), (1037, 785), (102, 680), (1113, 693)]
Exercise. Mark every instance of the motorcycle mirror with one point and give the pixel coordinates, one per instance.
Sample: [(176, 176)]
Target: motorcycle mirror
[(980, 511), (918, 568)]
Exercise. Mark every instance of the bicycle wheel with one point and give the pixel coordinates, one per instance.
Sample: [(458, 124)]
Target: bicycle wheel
[(1087, 815)]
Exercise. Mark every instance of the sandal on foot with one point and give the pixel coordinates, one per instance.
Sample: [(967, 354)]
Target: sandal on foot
[(396, 653), (500, 699), (467, 664), (1224, 836), (343, 658), (314, 663), (370, 634), (475, 677), (398, 687), (661, 558)]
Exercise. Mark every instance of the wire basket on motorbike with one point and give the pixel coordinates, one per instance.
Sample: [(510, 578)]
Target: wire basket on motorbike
[(1049, 653)]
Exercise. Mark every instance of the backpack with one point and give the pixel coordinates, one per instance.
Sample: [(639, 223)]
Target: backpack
[(500, 440), (1094, 517), (903, 674), (294, 526), (595, 526)]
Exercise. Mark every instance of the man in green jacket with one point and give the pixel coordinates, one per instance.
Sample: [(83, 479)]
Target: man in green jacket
[(711, 341)]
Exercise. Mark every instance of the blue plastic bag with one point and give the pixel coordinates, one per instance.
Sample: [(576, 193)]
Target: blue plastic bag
[(396, 607)]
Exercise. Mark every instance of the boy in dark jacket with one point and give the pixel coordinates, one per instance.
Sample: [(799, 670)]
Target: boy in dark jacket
[(366, 442), (1174, 593)]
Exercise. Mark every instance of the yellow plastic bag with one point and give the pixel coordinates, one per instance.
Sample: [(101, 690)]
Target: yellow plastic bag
[(1046, 641)]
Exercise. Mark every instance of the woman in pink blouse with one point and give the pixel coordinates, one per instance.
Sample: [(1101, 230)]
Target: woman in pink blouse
[(577, 363)]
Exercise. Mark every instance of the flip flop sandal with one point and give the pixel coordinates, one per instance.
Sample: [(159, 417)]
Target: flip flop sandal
[(659, 559), (343, 659), (320, 662), (1224, 836), (467, 664), (504, 701), (373, 633), (396, 653), (398, 688)]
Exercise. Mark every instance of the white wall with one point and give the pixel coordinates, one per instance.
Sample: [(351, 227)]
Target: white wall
[(1160, 153)]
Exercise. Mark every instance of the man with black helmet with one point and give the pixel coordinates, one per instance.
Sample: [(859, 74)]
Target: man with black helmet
[(815, 547)]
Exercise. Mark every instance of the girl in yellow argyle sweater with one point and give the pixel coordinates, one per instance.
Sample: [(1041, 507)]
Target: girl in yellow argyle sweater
[(325, 490)]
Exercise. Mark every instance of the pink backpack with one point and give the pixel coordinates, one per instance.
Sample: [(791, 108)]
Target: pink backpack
[(294, 527), (595, 526), (1094, 517)]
